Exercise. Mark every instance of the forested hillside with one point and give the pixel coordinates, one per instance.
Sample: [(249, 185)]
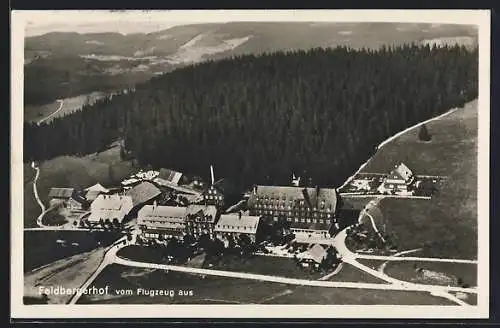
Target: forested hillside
[(259, 119)]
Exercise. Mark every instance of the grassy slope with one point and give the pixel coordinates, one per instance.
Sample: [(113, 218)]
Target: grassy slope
[(40, 247), (447, 224), (70, 272), (226, 290), (67, 171), (35, 113)]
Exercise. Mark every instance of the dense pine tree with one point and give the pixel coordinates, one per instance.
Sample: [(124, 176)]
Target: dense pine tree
[(259, 119)]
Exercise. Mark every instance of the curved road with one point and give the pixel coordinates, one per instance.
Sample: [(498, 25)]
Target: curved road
[(35, 192), (339, 242), (61, 103), (37, 169)]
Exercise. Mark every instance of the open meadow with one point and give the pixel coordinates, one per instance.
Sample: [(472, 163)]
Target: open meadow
[(446, 225), (217, 290), (73, 172)]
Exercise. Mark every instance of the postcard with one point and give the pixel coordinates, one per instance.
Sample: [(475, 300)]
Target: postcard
[(250, 164)]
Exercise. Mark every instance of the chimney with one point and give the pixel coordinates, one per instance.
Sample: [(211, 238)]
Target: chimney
[(212, 174), (307, 198), (317, 196)]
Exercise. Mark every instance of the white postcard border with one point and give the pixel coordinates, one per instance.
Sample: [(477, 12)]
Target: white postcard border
[(481, 18)]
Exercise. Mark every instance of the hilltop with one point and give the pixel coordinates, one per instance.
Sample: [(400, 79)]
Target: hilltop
[(67, 64)]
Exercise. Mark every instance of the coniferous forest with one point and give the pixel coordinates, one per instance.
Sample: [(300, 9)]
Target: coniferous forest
[(259, 119)]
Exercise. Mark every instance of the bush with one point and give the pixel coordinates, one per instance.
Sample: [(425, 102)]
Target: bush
[(53, 218)]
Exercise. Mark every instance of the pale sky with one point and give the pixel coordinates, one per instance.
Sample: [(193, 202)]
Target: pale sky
[(144, 21)]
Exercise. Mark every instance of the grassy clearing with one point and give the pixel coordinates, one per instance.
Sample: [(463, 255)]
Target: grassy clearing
[(343, 296), (406, 271), (33, 113), (218, 290), (76, 172), (352, 274), (446, 225)]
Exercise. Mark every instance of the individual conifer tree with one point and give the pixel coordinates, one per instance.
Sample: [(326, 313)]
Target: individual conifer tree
[(423, 134)]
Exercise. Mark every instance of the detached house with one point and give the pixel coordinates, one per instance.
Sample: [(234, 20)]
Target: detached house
[(398, 180), (60, 196), (110, 209), (313, 256), (161, 222)]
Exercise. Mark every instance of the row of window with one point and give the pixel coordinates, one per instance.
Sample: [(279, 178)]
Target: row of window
[(163, 223), (200, 218), (301, 202), (322, 233), (293, 213), (297, 220), (213, 197), (225, 234), (195, 223), (291, 208), (225, 226), (283, 198), (212, 192)]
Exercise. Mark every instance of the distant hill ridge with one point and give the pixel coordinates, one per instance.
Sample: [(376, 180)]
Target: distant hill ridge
[(66, 64)]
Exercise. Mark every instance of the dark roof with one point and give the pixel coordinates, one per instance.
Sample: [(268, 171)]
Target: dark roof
[(61, 192), (143, 192), (91, 195), (209, 210), (328, 195), (78, 197), (170, 175)]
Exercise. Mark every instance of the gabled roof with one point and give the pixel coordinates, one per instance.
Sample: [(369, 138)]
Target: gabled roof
[(110, 207), (163, 212), (97, 187), (143, 192), (170, 175), (61, 192), (171, 185), (235, 223), (328, 195), (112, 202), (162, 217)]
